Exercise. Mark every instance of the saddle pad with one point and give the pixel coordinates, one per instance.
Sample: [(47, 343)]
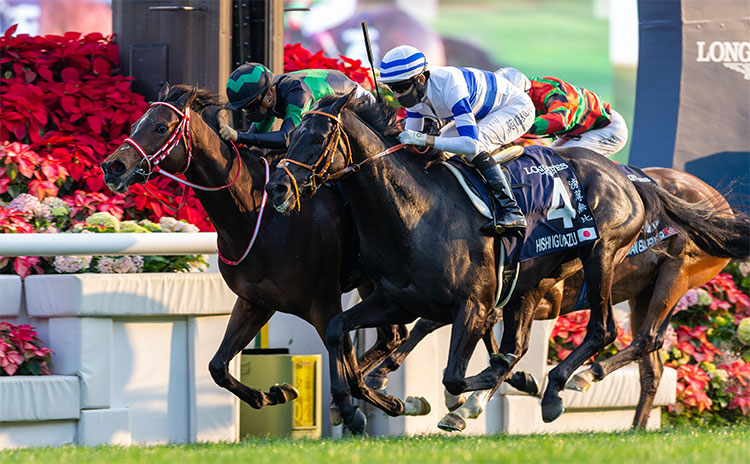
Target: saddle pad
[(651, 234), (556, 210)]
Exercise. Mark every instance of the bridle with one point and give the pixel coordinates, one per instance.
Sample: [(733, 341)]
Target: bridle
[(182, 133), (319, 170)]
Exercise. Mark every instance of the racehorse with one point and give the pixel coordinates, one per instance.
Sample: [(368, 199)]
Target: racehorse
[(652, 282), (262, 268), (421, 248)]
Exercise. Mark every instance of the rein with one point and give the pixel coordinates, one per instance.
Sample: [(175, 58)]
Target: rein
[(326, 158), (182, 132)]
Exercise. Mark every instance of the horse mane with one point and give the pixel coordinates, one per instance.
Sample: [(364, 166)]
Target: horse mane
[(381, 119), (209, 106)]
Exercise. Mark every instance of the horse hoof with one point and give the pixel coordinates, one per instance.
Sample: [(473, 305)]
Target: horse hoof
[(552, 410), (416, 406), (376, 382), (357, 425), (579, 382), (336, 418), (285, 391), (530, 385), (452, 422)]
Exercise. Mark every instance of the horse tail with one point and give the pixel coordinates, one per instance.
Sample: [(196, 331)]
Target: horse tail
[(719, 233)]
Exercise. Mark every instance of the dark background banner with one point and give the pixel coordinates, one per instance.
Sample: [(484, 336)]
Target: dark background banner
[(693, 94)]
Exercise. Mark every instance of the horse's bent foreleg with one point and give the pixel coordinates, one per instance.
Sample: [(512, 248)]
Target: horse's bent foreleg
[(374, 311), (389, 339), (378, 378), (244, 324)]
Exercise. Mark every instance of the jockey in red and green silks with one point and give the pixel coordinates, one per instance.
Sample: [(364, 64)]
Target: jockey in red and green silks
[(264, 97), (573, 115)]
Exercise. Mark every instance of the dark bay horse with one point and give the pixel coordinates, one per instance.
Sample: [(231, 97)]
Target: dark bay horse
[(652, 282), (271, 276), (421, 248)]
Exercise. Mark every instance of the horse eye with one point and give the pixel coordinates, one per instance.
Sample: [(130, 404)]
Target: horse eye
[(318, 139), (161, 129)]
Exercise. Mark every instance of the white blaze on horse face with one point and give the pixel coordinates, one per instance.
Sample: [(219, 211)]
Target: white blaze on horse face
[(140, 121)]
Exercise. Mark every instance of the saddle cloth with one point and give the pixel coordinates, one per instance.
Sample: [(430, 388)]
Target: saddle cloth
[(651, 234), (549, 194)]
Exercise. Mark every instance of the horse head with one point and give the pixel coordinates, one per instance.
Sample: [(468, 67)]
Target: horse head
[(160, 140), (319, 151)]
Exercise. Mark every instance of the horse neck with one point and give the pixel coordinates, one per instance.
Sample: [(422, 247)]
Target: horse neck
[(388, 196), (232, 210)]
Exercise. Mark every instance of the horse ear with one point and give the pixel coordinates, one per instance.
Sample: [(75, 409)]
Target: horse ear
[(163, 92), (187, 99), (342, 102)]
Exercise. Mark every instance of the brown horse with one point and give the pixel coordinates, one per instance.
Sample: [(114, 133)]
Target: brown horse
[(266, 276), (652, 282)]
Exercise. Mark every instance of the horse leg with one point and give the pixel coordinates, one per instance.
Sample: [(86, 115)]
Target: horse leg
[(650, 369), (389, 339), (655, 303), (244, 323), (375, 311), (378, 378), (469, 327), (600, 331)]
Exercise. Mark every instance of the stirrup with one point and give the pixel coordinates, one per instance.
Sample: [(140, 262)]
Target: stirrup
[(492, 228)]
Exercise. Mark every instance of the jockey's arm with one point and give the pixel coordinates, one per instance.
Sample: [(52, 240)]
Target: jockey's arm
[(467, 142), (414, 121), (296, 104)]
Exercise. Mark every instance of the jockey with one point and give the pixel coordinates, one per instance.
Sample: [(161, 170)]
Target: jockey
[(485, 112), (262, 97), (575, 116)]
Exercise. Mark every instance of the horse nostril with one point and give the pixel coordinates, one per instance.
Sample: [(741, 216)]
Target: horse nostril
[(280, 189), (116, 168)]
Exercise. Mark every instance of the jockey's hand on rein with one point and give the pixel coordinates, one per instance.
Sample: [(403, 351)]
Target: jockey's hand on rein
[(411, 137), (227, 133)]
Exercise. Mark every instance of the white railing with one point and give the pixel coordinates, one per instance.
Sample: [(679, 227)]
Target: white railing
[(182, 243)]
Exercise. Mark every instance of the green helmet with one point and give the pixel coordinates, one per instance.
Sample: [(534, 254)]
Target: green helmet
[(246, 83)]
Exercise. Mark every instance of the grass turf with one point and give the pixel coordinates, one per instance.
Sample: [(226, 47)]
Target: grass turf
[(683, 445)]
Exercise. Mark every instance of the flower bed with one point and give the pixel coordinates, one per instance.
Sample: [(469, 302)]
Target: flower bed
[(26, 213), (65, 108), (21, 351), (708, 342)]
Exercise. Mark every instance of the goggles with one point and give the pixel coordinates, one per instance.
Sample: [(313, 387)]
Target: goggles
[(401, 86)]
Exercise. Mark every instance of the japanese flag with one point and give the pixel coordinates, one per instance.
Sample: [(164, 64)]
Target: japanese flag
[(587, 233)]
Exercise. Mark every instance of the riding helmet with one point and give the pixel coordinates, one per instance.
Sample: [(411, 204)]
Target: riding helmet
[(246, 83), (402, 63)]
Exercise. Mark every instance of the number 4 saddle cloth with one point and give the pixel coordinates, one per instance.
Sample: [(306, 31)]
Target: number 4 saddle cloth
[(548, 192)]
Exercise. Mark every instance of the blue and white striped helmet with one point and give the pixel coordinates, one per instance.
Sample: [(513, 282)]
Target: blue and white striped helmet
[(402, 63)]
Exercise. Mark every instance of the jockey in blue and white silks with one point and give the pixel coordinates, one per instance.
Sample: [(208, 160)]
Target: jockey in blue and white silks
[(483, 111)]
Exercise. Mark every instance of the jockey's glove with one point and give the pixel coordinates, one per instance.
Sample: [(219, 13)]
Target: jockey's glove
[(411, 137), (227, 133)]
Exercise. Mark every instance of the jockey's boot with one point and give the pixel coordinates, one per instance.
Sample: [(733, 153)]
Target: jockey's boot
[(511, 216)]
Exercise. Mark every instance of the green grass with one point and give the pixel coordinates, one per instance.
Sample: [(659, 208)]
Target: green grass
[(685, 445)]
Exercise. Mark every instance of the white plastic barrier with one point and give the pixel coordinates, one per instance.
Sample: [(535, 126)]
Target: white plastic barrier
[(136, 347), (183, 243)]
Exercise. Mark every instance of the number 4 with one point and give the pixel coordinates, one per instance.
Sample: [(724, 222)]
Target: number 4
[(561, 204)]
